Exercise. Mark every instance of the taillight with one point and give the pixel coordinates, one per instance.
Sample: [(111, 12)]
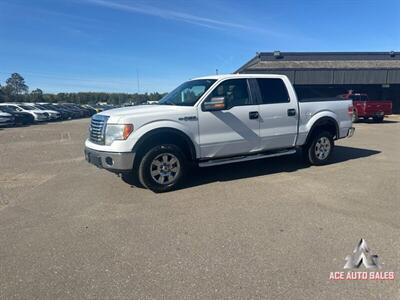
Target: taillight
[(350, 110)]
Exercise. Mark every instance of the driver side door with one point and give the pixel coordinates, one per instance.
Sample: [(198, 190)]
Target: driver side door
[(234, 129)]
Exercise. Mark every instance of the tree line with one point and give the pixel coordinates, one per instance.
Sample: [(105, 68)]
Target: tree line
[(16, 90)]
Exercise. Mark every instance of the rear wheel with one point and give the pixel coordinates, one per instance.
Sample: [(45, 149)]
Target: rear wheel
[(319, 150), (162, 168)]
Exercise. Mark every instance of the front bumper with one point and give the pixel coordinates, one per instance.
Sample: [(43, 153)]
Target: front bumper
[(41, 118), (7, 122), (112, 161), (350, 132), (54, 117)]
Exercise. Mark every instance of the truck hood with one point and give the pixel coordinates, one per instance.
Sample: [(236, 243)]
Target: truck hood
[(155, 111)]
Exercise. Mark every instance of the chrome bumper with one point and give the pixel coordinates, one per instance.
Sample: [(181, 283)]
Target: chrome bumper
[(350, 132), (112, 161)]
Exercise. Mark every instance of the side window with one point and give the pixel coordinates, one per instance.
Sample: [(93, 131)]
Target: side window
[(234, 91), (273, 90)]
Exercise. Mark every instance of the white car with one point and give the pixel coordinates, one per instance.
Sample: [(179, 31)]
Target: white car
[(53, 115), (215, 120), (39, 115), (6, 119)]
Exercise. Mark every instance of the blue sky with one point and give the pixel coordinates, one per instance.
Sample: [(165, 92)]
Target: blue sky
[(101, 45)]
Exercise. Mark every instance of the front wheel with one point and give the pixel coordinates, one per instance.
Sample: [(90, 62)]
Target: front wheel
[(162, 168), (319, 150)]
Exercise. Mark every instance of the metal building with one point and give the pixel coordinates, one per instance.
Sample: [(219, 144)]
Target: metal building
[(327, 74)]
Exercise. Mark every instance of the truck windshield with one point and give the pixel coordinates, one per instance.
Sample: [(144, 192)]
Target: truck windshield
[(187, 93)]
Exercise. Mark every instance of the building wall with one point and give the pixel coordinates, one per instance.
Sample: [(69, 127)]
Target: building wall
[(378, 84)]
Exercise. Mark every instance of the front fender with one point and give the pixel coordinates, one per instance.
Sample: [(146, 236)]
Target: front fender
[(190, 130)]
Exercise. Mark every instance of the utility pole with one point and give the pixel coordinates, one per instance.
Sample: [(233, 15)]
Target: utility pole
[(216, 71), (137, 78)]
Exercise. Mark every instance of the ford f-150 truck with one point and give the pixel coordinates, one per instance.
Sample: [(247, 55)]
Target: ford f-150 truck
[(211, 121), (366, 108)]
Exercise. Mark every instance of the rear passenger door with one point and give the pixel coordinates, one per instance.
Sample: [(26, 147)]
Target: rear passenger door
[(278, 114)]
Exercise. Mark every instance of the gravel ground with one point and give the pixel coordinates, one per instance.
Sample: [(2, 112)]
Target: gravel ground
[(273, 228)]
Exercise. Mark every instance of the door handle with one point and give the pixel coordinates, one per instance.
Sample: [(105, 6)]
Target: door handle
[(253, 115), (291, 112)]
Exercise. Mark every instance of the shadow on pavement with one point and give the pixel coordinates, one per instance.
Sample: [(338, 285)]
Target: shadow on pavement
[(371, 121), (291, 163)]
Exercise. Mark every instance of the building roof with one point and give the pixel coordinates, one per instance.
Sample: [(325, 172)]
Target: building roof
[(328, 67), (235, 76)]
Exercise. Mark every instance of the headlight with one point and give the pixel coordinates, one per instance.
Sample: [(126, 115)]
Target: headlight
[(117, 132)]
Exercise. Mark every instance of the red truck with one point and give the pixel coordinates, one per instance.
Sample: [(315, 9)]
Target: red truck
[(366, 108)]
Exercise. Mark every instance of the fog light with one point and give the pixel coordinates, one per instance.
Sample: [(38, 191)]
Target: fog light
[(109, 161)]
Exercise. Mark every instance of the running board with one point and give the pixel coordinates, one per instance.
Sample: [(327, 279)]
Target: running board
[(223, 161)]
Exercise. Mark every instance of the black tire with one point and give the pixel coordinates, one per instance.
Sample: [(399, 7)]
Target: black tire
[(131, 178), (355, 118), (170, 178), (378, 119), (319, 150)]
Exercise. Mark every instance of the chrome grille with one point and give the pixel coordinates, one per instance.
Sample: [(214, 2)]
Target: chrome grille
[(97, 129)]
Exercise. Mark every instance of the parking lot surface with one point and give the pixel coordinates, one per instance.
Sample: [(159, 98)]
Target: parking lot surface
[(273, 228)]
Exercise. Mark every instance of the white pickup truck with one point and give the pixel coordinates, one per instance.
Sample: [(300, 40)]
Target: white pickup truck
[(215, 120)]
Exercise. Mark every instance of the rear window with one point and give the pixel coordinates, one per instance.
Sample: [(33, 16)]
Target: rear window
[(273, 90)]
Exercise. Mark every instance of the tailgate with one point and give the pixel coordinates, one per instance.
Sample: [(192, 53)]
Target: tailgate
[(372, 107)]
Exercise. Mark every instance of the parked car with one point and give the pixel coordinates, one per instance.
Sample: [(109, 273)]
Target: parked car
[(20, 117), (53, 115), (86, 111), (73, 112), (102, 107), (90, 109), (212, 121), (366, 108), (6, 119), (39, 115), (97, 108), (65, 115), (72, 107)]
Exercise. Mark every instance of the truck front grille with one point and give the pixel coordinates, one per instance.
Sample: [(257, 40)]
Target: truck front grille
[(97, 129)]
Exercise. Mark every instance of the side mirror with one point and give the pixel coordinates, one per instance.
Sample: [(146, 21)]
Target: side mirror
[(214, 104)]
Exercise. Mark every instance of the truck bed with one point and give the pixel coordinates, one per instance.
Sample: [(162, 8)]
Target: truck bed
[(310, 107)]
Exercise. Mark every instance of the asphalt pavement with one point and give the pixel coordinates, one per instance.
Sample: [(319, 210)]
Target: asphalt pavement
[(273, 228)]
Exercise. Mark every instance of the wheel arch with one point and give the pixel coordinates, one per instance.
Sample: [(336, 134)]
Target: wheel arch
[(324, 123), (165, 135)]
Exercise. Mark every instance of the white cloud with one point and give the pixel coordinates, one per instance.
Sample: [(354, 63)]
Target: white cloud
[(172, 15)]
